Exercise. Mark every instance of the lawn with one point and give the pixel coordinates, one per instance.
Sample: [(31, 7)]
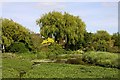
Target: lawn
[(12, 66), (56, 70)]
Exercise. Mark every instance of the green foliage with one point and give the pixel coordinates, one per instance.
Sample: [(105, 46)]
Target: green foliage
[(51, 51), (27, 56), (9, 55), (56, 48), (78, 52), (12, 67), (0, 30), (75, 61), (114, 49), (54, 70), (18, 47), (100, 41), (101, 58), (88, 41), (69, 56), (63, 56), (10, 73), (14, 32), (116, 38), (52, 56), (102, 35), (102, 45), (36, 42), (41, 55), (64, 28)]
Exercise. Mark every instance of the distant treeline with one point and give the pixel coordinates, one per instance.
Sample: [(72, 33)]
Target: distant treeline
[(67, 30)]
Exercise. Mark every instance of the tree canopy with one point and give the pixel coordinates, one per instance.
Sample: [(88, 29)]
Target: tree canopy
[(66, 30), (102, 35), (62, 27), (14, 32)]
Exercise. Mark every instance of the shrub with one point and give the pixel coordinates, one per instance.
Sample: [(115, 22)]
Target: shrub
[(101, 58), (89, 57), (113, 49), (52, 56), (18, 47), (41, 55), (56, 49), (29, 56), (78, 52), (48, 40)]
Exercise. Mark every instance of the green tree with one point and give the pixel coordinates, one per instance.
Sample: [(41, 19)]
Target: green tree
[(102, 35), (14, 32), (88, 41), (116, 43), (102, 40), (36, 41), (0, 34), (64, 28), (116, 38)]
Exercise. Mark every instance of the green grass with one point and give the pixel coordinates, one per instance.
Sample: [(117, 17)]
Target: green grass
[(55, 70), (13, 65)]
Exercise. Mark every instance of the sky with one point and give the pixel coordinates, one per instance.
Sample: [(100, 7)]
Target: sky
[(96, 15)]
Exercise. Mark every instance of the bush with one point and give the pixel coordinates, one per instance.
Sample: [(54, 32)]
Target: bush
[(52, 56), (48, 40), (78, 52), (41, 55), (101, 58), (18, 47), (56, 49), (113, 49), (29, 56), (89, 57)]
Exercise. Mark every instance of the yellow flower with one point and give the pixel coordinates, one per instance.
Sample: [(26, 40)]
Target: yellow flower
[(48, 40)]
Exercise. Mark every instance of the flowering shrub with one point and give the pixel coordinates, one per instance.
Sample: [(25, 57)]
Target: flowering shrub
[(48, 40)]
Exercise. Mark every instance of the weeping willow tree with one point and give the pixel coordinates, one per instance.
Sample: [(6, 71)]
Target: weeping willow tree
[(62, 27)]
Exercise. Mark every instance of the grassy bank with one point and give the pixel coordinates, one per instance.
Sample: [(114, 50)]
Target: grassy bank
[(14, 64)]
